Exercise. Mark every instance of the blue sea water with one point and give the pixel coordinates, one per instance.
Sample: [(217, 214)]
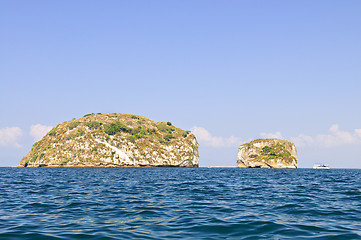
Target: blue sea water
[(179, 203)]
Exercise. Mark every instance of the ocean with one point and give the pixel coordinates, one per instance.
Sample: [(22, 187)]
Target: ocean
[(179, 203)]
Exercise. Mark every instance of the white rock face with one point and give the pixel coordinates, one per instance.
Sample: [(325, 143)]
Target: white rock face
[(120, 157), (267, 153)]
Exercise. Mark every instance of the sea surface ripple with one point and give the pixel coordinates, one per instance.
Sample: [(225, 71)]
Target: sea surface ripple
[(174, 203)]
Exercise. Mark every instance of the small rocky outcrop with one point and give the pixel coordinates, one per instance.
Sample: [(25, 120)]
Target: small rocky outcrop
[(267, 153), (114, 140)]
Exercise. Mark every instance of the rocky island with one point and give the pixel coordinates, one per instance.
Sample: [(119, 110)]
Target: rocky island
[(267, 153), (114, 140)]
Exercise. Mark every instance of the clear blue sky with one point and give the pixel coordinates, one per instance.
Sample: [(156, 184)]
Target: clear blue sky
[(231, 71)]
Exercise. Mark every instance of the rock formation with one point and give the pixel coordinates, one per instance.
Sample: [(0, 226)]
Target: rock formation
[(114, 140), (267, 153)]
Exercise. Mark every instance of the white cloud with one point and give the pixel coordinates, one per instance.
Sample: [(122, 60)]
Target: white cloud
[(38, 131), (334, 137), (358, 132), (271, 135), (302, 140), (205, 138), (9, 136)]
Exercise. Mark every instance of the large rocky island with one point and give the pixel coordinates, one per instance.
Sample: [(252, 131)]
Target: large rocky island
[(267, 153), (114, 140)]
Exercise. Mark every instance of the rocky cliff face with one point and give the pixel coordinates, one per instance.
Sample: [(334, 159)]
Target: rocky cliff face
[(267, 153), (114, 140)]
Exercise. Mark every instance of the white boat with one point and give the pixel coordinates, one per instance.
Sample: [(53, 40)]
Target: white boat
[(321, 166)]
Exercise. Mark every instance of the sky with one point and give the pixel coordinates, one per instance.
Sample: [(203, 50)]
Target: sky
[(229, 71)]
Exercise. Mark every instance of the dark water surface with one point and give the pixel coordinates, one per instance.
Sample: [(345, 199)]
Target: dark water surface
[(169, 203)]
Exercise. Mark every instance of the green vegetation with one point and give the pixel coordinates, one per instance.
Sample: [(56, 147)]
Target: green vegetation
[(73, 125), (151, 130), (113, 128), (52, 132), (169, 123), (80, 132), (131, 138), (267, 151), (165, 128), (276, 151), (118, 127), (93, 125), (70, 137), (168, 137), (89, 114), (141, 131), (162, 127), (195, 149), (185, 133), (33, 159)]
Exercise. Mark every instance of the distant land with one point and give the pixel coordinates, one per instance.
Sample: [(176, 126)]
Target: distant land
[(114, 140), (267, 153)]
